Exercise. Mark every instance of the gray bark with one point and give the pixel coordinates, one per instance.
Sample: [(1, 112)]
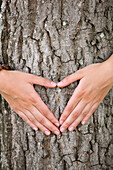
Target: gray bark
[(52, 39)]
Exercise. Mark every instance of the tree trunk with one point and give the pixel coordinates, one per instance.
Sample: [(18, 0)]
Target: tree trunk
[(52, 39)]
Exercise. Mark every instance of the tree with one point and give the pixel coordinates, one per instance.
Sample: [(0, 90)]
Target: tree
[(54, 38)]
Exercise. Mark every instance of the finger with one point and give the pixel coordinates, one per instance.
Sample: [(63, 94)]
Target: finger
[(32, 119), (25, 118), (37, 102), (42, 107), (74, 100), (70, 79), (75, 123), (73, 116), (44, 121), (87, 117), (41, 81), (92, 109), (80, 117)]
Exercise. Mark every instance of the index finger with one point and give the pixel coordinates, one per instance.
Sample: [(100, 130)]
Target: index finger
[(41, 81), (71, 78), (74, 100), (42, 107)]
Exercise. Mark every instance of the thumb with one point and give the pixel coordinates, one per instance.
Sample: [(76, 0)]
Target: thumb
[(42, 81), (70, 79)]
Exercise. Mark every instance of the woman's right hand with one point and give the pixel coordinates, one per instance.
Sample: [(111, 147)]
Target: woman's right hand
[(17, 89)]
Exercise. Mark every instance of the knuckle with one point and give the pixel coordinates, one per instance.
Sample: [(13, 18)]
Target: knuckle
[(25, 104), (52, 120), (64, 117), (81, 93), (86, 99), (85, 113), (69, 109), (45, 113), (75, 115), (66, 124), (31, 109), (41, 120), (32, 119), (52, 128), (31, 98)]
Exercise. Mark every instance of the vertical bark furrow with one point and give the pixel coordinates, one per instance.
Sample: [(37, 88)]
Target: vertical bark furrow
[(6, 141)]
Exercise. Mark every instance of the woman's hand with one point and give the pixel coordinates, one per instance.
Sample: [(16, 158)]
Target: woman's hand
[(17, 88), (95, 82)]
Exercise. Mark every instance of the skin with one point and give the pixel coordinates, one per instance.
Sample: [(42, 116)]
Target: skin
[(95, 82), (17, 89)]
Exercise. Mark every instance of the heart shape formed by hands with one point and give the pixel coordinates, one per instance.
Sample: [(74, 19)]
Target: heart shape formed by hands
[(95, 82)]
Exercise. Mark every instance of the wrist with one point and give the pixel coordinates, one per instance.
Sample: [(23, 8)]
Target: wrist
[(3, 73), (109, 68), (3, 77), (110, 61)]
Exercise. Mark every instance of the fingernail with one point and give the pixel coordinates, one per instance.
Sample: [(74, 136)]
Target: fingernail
[(71, 128), (47, 132), (53, 83), (61, 122), (35, 128), (83, 122), (57, 124), (62, 129), (57, 132), (60, 83)]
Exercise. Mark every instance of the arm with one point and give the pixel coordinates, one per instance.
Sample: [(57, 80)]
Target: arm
[(17, 89), (95, 82)]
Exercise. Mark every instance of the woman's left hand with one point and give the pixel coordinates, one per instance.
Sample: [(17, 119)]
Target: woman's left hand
[(95, 82)]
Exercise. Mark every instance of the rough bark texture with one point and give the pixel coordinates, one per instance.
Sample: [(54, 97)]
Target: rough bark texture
[(54, 38)]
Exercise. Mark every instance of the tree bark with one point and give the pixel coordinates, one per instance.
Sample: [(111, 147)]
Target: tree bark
[(52, 39)]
